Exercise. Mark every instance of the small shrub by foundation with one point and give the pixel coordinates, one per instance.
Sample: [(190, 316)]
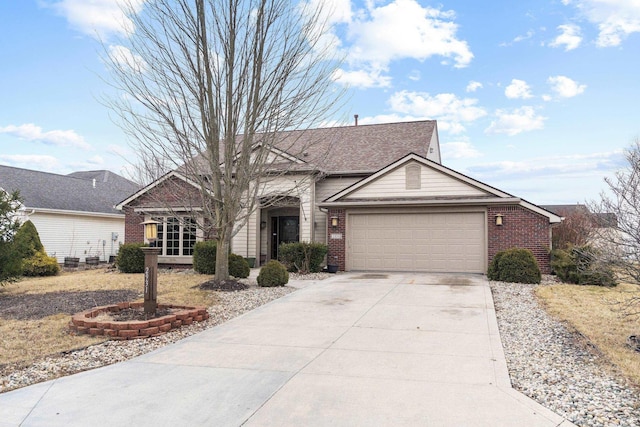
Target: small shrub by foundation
[(273, 274)]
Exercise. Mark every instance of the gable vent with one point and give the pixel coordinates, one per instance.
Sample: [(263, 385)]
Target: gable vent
[(412, 177)]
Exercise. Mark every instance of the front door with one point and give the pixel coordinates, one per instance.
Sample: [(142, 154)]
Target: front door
[(284, 229)]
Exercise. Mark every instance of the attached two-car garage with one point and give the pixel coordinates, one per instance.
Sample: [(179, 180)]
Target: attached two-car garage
[(416, 241)]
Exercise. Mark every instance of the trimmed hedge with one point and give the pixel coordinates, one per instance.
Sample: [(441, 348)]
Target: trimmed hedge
[(273, 274), (40, 264), (302, 257), (580, 265), (238, 266), (204, 257), (514, 265), (130, 258)]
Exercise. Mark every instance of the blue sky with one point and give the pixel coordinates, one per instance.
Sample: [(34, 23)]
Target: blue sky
[(537, 98)]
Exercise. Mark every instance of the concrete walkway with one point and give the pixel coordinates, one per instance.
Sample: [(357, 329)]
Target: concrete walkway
[(354, 350)]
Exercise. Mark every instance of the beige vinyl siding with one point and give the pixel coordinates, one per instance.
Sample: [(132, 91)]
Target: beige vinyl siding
[(433, 183), (324, 189), (429, 241), (78, 235), (244, 242)]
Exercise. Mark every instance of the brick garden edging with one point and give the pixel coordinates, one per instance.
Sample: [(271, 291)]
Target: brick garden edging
[(85, 323)]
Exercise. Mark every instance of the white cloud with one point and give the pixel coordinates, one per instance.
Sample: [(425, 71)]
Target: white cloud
[(616, 19), (362, 78), (61, 138), (414, 75), (519, 38), (553, 166), (516, 121), (473, 86), (377, 35), (125, 59), (570, 37), (518, 89), (459, 150), (564, 87), (31, 161), (98, 18), (451, 112)]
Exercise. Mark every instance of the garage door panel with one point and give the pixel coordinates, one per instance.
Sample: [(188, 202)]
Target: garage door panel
[(438, 242)]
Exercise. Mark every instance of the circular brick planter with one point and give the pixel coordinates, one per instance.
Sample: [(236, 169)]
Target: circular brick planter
[(85, 322)]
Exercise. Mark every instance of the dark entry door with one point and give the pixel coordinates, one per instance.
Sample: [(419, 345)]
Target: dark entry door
[(284, 229)]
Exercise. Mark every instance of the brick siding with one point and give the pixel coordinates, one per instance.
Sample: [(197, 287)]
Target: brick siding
[(521, 229), (337, 248)]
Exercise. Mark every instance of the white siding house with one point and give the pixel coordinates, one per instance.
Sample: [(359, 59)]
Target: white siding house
[(74, 214)]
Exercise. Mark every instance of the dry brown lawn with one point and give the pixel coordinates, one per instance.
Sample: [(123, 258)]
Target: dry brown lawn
[(26, 340), (595, 312)]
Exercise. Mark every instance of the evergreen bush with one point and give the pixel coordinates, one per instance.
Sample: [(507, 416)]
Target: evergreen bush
[(27, 241), (273, 274), (40, 264), (130, 258), (515, 265), (302, 257), (238, 266), (204, 257), (581, 265)]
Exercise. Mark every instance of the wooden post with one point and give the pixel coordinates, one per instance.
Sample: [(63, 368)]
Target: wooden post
[(150, 280)]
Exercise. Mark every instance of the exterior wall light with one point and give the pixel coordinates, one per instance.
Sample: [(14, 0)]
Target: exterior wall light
[(499, 219), (334, 221)]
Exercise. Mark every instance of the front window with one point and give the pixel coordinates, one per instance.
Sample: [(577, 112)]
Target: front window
[(176, 236)]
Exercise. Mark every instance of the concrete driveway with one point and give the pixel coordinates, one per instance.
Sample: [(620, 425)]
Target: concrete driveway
[(358, 349)]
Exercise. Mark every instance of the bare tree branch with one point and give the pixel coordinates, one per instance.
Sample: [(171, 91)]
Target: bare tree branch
[(208, 88)]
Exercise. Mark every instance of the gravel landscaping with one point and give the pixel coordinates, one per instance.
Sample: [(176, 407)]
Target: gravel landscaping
[(557, 367)]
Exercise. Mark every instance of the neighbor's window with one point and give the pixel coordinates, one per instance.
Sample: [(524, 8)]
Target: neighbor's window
[(176, 236), (412, 174)]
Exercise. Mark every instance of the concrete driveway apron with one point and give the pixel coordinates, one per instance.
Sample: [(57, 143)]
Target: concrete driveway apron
[(359, 349)]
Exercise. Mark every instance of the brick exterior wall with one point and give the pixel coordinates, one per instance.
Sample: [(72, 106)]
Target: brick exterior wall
[(337, 248), (521, 229), (173, 192), (133, 231)]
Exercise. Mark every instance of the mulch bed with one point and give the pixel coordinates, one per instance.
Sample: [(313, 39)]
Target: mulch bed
[(137, 314), (38, 306), (222, 285)]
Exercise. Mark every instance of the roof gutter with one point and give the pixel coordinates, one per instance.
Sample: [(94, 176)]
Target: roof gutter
[(79, 213), (465, 202)]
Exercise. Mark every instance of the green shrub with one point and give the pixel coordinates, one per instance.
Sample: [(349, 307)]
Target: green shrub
[(581, 265), (492, 272), (273, 274), (27, 241), (40, 264), (302, 257), (204, 257), (238, 266), (130, 258), (515, 265)]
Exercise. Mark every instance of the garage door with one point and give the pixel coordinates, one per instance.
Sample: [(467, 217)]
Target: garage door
[(433, 242)]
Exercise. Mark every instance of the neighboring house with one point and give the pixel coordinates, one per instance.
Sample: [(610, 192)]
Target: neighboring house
[(74, 214), (600, 219), (379, 197)]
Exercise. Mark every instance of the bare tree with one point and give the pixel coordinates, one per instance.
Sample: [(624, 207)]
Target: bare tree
[(618, 234), (210, 85), (575, 229)]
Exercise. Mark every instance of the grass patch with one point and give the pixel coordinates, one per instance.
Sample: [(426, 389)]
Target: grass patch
[(594, 312), (24, 341)]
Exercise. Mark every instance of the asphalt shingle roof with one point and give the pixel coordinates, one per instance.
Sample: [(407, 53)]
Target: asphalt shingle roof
[(352, 149), (73, 192)]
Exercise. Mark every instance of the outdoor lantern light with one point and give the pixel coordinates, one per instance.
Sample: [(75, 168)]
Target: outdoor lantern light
[(151, 230), (499, 219), (334, 221), (151, 268)]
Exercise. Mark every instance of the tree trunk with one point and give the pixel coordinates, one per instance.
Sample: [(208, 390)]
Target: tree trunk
[(222, 259)]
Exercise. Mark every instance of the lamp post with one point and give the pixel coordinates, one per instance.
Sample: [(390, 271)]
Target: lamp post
[(150, 268)]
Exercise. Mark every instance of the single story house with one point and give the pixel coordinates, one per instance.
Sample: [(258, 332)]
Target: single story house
[(377, 195), (74, 214)]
